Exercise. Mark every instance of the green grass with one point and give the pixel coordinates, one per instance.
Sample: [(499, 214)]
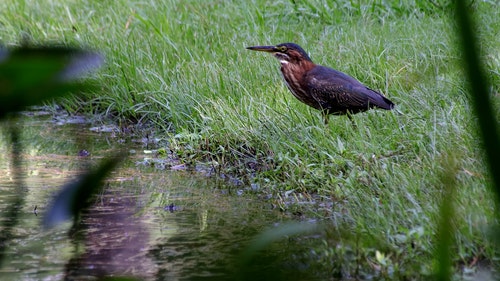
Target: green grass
[(184, 66)]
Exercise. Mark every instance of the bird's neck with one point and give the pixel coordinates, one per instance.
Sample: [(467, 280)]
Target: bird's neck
[(298, 68)]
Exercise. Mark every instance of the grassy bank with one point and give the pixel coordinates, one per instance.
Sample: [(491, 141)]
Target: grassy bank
[(183, 65)]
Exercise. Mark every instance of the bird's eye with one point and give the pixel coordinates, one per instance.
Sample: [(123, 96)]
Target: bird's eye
[(282, 48)]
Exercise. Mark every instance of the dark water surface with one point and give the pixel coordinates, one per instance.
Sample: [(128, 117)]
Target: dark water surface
[(148, 223)]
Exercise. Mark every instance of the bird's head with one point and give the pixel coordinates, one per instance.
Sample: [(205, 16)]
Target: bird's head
[(285, 52)]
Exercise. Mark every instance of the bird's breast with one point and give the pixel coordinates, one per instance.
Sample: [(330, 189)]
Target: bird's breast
[(294, 79)]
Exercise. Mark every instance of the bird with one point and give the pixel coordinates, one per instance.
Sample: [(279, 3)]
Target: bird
[(323, 88)]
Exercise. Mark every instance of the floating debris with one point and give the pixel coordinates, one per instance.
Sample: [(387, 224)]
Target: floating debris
[(83, 153), (171, 208), (105, 129)]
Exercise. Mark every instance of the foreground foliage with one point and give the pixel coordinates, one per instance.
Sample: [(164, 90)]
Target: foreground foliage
[(182, 65)]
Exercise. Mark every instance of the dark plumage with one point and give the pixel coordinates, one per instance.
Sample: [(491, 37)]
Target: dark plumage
[(323, 88)]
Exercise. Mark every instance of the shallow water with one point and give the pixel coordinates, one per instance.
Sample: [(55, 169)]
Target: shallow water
[(148, 223)]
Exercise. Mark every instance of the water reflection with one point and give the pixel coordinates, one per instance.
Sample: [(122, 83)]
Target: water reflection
[(130, 230), (114, 240)]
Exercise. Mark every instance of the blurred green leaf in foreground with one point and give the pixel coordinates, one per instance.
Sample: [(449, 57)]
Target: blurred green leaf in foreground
[(31, 75)]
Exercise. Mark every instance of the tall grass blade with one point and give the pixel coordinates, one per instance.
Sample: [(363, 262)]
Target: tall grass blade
[(446, 229), (480, 95)]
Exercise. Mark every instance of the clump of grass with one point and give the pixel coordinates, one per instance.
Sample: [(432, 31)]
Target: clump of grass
[(183, 65)]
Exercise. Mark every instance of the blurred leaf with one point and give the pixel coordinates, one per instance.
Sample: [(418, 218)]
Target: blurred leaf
[(74, 197), (269, 236), (480, 95), (256, 263), (30, 75), (446, 229)]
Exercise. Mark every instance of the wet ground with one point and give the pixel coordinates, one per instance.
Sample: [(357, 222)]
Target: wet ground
[(147, 222)]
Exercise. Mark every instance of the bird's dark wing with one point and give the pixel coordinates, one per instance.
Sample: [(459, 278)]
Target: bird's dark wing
[(336, 92)]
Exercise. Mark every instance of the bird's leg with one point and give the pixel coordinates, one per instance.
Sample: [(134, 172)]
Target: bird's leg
[(349, 115), (325, 118)]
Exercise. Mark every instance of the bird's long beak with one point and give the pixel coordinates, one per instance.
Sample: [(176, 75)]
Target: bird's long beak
[(269, 49)]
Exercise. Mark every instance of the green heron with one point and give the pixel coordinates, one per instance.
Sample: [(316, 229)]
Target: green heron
[(323, 88)]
